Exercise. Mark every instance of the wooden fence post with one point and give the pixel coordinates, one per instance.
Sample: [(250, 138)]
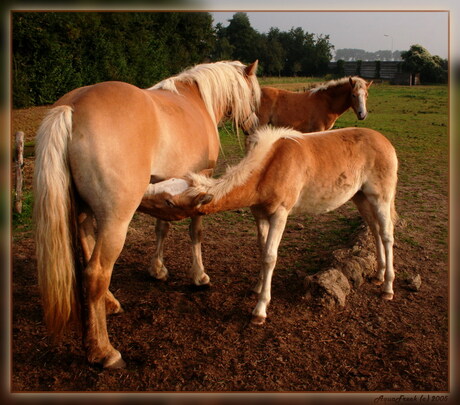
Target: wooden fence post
[(19, 163)]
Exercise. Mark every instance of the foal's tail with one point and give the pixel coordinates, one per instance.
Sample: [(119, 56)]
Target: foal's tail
[(54, 217), (394, 214)]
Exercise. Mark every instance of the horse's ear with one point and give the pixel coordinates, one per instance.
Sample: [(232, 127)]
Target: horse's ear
[(369, 84), (351, 81), (252, 68), (202, 199)]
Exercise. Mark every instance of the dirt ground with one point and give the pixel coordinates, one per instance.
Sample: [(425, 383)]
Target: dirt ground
[(179, 338)]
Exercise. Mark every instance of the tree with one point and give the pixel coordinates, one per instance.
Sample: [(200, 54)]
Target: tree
[(244, 39), (55, 52), (431, 68)]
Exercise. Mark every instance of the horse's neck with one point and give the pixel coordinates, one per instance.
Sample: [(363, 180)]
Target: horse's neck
[(339, 98), (239, 196), (193, 94)]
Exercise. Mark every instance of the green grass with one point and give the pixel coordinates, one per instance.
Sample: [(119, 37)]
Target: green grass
[(22, 223)]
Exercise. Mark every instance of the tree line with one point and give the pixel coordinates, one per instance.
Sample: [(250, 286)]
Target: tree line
[(55, 52)]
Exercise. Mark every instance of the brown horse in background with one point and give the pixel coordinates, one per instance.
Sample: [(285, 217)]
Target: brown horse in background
[(288, 172), (316, 109), (96, 151)]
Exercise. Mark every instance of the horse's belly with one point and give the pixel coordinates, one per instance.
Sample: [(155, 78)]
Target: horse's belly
[(314, 203)]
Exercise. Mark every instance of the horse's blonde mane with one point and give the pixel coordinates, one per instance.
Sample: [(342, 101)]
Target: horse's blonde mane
[(224, 88), (259, 144), (360, 82)]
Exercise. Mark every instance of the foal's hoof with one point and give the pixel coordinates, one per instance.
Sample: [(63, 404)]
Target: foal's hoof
[(376, 281), (204, 280), (257, 320), (114, 361), (387, 296)]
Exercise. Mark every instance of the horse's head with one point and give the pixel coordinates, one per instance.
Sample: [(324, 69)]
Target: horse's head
[(173, 200), (359, 96)]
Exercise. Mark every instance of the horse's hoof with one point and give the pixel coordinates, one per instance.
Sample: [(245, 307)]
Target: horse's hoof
[(387, 296), (114, 361), (376, 281), (112, 310), (257, 320), (161, 274), (204, 280)]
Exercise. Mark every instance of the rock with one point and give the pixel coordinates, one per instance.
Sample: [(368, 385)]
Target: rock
[(330, 287), (414, 282)]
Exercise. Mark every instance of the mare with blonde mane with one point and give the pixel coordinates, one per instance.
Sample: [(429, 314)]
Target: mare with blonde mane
[(316, 109), (288, 172), (96, 152)]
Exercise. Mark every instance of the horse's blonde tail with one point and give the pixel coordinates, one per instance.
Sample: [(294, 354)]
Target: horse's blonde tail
[(53, 216)]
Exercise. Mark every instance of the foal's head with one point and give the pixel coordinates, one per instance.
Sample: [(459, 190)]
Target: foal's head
[(359, 96), (175, 199)]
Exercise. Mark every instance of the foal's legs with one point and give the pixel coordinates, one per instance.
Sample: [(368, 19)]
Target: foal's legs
[(157, 268), (96, 280), (197, 273), (88, 240), (277, 224), (366, 211)]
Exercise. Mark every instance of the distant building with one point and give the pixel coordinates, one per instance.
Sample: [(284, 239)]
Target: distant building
[(384, 70)]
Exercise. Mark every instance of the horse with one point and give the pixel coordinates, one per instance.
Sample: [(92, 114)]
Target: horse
[(316, 109), (287, 172), (96, 151)]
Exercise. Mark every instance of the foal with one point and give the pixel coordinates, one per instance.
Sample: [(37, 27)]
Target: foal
[(288, 172), (316, 109)]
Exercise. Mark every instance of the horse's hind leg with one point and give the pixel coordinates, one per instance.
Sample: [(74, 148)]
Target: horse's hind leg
[(262, 234), (88, 241), (382, 210), (366, 211), (197, 272), (96, 280), (157, 268)]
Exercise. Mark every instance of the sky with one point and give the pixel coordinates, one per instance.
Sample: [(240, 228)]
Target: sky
[(362, 30)]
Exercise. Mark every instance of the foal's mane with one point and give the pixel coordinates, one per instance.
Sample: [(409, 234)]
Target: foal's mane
[(259, 144), (358, 82), (223, 87)]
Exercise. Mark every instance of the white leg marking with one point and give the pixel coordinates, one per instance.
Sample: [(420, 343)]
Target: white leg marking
[(277, 225)]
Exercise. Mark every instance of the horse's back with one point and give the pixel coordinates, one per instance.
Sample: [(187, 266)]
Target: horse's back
[(285, 108)]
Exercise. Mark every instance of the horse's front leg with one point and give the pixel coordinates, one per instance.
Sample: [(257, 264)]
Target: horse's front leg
[(197, 272), (276, 228), (157, 268)]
